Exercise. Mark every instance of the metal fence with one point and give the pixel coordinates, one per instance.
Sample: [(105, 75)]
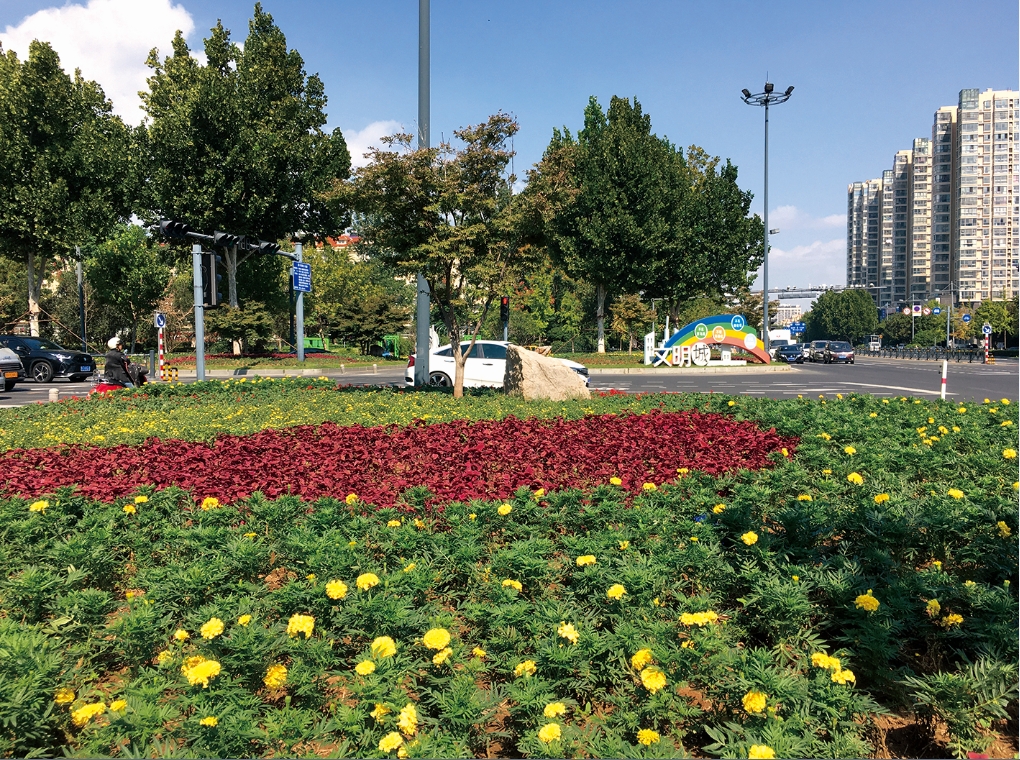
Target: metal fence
[(933, 353)]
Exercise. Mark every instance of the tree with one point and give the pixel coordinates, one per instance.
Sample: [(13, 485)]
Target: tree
[(631, 317), (129, 274), (64, 163), (999, 315), (237, 145), (450, 214), (611, 199), (848, 315)]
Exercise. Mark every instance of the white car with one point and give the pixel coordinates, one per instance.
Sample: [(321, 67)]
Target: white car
[(484, 367)]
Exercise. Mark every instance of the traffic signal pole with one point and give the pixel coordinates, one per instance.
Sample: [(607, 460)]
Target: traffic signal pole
[(196, 266), (299, 309)]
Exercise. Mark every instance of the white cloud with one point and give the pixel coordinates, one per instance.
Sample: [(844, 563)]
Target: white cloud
[(791, 218), (818, 263), (359, 141), (108, 40)]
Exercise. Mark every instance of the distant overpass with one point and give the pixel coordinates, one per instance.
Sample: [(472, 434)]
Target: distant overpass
[(804, 292)]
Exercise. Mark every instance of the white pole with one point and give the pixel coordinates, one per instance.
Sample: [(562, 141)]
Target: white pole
[(945, 368), (196, 266)]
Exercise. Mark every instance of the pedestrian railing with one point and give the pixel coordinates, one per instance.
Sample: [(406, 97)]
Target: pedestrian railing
[(932, 353)]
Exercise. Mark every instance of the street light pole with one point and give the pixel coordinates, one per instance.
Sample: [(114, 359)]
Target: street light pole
[(765, 99), (423, 306)]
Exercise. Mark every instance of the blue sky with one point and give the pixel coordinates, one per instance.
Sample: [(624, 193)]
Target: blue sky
[(868, 77)]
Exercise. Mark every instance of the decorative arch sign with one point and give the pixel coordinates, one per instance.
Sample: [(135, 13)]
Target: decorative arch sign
[(693, 343)]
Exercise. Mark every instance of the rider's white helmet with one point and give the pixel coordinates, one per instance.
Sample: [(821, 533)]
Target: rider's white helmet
[(113, 342)]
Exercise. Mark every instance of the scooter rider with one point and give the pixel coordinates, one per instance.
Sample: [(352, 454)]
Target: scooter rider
[(117, 364)]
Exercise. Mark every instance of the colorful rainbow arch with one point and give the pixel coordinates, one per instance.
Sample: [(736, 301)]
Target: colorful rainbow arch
[(725, 330)]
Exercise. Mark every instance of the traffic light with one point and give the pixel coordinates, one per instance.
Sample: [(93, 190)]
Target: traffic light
[(504, 309), (211, 296), (173, 229), (224, 239), (264, 246)]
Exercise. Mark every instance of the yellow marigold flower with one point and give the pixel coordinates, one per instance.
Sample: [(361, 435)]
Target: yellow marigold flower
[(804, 497), (554, 710), (754, 702), (64, 696), (962, 410), (873, 415), (796, 578), (568, 632), (510, 583), (750, 538), (550, 732), (249, 535), (881, 498), (844, 677), (647, 737), (379, 712), (365, 668), (441, 656), (1004, 530), (682, 470), (504, 509), (785, 452), (276, 676), (164, 657), (210, 721), (38, 506), (933, 607), (336, 589), (390, 742), (1005, 423), (824, 436), (624, 546), (181, 635), (84, 714), (129, 509), (956, 429), (824, 661), (351, 498), (826, 472), (687, 644), (969, 584), (616, 481), (866, 602), (383, 647), (694, 539), (760, 752), (472, 516), (700, 619), (118, 705), (719, 509), (650, 487), (586, 559), (407, 720), (616, 591), (141, 499), (393, 524), (366, 581), (956, 493), (436, 638), (300, 624), (641, 658), (200, 672), (212, 628), (539, 493), (409, 568), (855, 478), (1009, 453), (731, 403), (210, 502), (419, 523), (526, 668), (950, 620), (479, 653), (653, 679)]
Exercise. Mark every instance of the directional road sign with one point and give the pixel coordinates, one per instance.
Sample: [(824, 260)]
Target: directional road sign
[(159, 320), (797, 327), (986, 328), (936, 310), (302, 277), (965, 318)]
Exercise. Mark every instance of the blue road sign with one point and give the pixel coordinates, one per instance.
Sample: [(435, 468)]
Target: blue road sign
[(159, 320), (936, 310), (882, 314), (797, 327), (965, 318), (986, 328), (302, 277)]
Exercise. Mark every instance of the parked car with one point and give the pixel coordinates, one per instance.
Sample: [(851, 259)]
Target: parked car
[(817, 350), (484, 367), (790, 354), (839, 351), (44, 360), (10, 368)]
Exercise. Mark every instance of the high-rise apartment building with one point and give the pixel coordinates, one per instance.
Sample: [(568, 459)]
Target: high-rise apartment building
[(947, 215)]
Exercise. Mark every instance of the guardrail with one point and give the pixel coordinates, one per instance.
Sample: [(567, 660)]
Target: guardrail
[(933, 353)]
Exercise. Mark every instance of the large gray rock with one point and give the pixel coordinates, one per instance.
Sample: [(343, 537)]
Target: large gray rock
[(531, 376)]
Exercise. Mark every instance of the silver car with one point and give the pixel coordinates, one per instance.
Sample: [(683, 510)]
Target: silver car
[(484, 367)]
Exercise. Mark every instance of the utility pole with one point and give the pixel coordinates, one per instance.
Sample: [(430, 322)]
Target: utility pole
[(81, 298), (299, 307), (423, 311), (196, 267)]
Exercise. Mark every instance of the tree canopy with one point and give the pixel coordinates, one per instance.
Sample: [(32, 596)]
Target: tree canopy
[(848, 315)]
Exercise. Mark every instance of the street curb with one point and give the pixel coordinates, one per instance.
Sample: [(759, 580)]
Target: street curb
[(750, 369), (221, 374)]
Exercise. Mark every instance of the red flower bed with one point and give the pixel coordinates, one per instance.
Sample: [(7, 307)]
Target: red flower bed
[(456, 460)]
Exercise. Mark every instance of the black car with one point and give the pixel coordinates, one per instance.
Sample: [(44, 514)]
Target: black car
[(790, 354), (45, 360)]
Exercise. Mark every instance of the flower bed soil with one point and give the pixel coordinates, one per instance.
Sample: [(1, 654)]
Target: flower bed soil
[(457, 460)]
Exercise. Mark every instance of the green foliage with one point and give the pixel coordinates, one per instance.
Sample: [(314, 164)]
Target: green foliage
[(849, 315), (631, 318), (252, 325)]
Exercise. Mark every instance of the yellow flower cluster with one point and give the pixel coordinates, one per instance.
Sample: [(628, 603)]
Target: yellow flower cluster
[(199, 670), (550, 732), (760, 752), (276, 676), (951, 620), (956, 493), (1004, 531), (616, 481), (804, 497), (700, 619), (586, 559), (933, 608), (616, 591), (118, 705), (365, 668), (750, 538), (38, 506), (568, 632), (881, 498), (866, 602), (526, 668), (390, 742), (336, 589), (554, 710), (442, 656), (504, 509), (212, 628), (641, 658), (64, 696), (844, 677), (210, 721), (647, 737), (827, 662), (210, 502), (393, 524), (129, 509), (510, 583), (754, 702), (719, 509), (407, 720), (653, 679), (300, 624), (86, 713), (366, 581), (436, 638), (850, 450), (351, 498), (855, 478)]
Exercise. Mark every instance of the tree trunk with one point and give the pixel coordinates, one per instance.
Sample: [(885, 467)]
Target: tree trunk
[(34, 291), (134, 334), (600, 314)]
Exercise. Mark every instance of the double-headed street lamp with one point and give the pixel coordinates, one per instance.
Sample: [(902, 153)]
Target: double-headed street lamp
[(767, 98)]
